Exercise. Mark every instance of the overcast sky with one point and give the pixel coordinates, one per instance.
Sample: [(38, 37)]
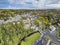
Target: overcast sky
[(29, 4)]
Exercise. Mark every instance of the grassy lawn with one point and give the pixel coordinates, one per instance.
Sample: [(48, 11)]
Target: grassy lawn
[(58, 35), (30, 40)]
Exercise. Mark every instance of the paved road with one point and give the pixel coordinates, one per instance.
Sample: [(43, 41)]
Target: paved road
[(48, 43), (47, 33), (40, 42), (53, 37)]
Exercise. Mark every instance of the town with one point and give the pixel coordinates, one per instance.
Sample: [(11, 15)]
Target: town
[(34, 27)]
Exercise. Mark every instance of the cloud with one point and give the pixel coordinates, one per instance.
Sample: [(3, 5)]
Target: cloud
[(53, 6), (24, 3), (18, 1), (29, 4)]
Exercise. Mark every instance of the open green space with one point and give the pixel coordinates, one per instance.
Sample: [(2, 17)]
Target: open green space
[(58, 35), (31, 39)]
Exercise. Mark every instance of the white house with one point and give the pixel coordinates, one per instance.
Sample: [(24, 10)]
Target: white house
[(34, 27), (52, 28), (1, 21)]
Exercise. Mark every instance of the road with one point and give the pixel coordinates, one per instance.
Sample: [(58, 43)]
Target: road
[(47, 33), (53, 37)]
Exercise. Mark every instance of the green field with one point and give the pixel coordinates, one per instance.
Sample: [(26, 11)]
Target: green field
[(58, 35), (31, 39)]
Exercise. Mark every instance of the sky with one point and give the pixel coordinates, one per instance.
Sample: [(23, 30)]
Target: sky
[(29, 4)]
